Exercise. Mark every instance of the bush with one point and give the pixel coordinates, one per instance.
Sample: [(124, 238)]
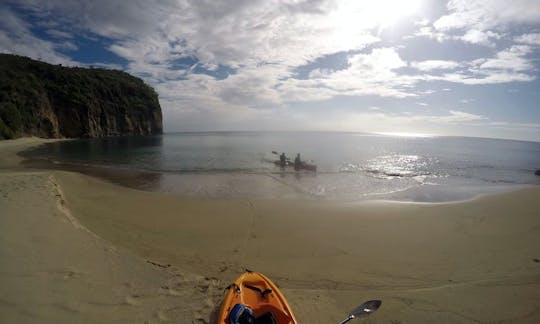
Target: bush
[(11, 117), (5, 132)]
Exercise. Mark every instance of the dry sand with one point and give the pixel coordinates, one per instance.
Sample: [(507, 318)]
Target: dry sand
[(79, 249)]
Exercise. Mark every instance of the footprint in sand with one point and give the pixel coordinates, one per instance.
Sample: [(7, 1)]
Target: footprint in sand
[(132, 300), (162, 316)]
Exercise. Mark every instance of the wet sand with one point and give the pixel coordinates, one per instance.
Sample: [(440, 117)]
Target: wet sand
[(80, 249)]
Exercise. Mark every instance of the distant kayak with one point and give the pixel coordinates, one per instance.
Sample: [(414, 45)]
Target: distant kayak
[(253, 298), (303, 165)]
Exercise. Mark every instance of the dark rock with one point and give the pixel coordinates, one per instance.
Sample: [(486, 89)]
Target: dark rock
[(44, 100), (537, 172)]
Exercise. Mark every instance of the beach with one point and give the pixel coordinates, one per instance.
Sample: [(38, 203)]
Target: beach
[(80, 249)]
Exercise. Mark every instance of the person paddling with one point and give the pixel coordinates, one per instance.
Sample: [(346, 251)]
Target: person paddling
[(283, 160), (297, 162)]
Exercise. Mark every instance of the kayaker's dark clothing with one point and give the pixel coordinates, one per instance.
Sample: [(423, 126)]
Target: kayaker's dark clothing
[(297, 162), (283, 159)]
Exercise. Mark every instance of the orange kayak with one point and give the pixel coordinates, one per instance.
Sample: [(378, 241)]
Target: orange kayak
[(257, 292)]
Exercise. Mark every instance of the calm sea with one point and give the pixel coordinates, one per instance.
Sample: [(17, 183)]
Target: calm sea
[(351, 166)]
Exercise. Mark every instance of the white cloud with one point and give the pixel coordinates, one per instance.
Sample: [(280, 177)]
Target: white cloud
[(422, 22), (261, 40), (367, 74), (16, 38), (509, 65), (482, 22), (264, 43), (59, 33), (454, 116), (476, 36), (531, 39), (430, 32), (66, 46), (486, 14), (430, 65), (494, 77), (512, 59), (378, 121)]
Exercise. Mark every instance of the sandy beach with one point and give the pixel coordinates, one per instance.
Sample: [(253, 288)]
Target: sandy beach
[(80, 249)]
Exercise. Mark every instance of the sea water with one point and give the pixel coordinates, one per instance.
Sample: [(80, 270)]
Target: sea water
[(350, 166)]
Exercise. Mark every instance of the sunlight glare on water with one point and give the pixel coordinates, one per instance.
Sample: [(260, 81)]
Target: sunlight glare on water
[(350, 166)]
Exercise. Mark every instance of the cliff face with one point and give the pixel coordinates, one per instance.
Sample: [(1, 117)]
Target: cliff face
[(47, 100)]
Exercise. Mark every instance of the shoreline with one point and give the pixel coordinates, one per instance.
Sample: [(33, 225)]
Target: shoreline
[(172, 182), (165, 257)]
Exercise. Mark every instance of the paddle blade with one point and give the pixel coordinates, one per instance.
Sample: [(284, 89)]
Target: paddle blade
[(274, 152), (366, 308)]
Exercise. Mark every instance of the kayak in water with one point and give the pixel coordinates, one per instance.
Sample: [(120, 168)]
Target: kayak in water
[(253, 298), (298, 164), (301, 166)]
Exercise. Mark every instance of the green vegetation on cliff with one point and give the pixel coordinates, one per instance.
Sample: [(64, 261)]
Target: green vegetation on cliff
[(47, 100)]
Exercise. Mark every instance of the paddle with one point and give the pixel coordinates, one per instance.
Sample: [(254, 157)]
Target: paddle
[(363, 310), (276, 153)]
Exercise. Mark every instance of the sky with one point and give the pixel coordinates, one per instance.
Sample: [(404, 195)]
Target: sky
[(459, 67)]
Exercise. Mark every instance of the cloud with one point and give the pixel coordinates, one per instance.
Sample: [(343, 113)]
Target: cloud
[(240, 32), (475, 36), (263, 42), (430, 32), (472, 36), (16, 38), (508, 65), (66, 46), (367, 74), (430, 65), (58, 33), (483, 15), (460, 116), (180, 46), (512, 59), (530, 39), (379, 121), (493, 77), (422, 22), (482, 22)]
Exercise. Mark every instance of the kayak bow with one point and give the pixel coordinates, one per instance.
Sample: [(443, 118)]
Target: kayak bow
[(261, 295)]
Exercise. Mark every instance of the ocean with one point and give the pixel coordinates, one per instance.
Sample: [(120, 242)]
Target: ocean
[(350, 166)]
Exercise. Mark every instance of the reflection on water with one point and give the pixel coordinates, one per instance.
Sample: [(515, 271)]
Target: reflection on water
[(117, 149), (391, 166), (350, 167)]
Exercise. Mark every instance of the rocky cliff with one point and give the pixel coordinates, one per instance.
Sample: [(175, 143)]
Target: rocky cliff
[(47, 100)]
